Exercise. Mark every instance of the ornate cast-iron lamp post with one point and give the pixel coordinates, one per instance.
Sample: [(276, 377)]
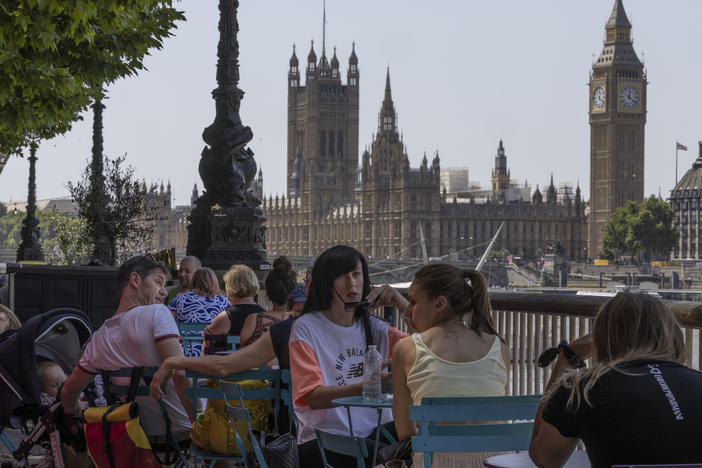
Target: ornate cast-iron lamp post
[(226, 223), (30, 248)]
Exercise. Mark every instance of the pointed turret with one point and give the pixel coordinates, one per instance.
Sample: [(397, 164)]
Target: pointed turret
[(194, 196), (324, 70), (353, 60), (334, 65), (500, 174), (388, 90), (353, 67), (435, 163), (551, 193), (294, 62), (387, 116), (618, 47), (618, 18), (537, 198), (578, 201), (311, 61), (294, 71)]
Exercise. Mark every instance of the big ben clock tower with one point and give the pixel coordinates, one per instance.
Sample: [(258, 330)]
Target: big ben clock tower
[(617, 104)]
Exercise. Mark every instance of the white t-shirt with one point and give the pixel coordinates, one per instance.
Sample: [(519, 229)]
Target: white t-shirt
[(323, 353), (129, 340)]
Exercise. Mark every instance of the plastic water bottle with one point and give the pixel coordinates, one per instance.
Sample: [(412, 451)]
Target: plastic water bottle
[(371, 373)]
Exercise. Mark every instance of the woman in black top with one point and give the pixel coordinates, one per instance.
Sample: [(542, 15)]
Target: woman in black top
[(241, 285), (638, 404)]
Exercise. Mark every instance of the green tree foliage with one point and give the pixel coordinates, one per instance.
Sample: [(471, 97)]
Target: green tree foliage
[(642, 230), (71, 246), (11, 224), (123, 208), (3, 210), (56, 55)]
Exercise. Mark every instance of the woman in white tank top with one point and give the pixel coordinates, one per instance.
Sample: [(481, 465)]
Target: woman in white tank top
[(455, 352)]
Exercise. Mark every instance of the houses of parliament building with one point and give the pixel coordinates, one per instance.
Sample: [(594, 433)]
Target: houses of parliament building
[(384, 207)]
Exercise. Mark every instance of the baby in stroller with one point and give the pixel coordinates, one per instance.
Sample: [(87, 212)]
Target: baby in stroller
[(55, 340), (51, 377)]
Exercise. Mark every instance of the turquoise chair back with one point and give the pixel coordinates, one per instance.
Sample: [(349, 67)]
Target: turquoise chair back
[(490, 437), (343, 444), (232, 390), (191, 334), (196, 392), (286, 392)]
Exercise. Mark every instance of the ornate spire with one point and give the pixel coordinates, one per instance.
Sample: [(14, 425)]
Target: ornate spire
[(618, 17), (293, 60), (353, 60), (618, 28), (388, 91), (387, 117), (312, 57), (334, 60)]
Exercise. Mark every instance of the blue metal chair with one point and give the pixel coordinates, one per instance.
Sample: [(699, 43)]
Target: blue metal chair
[(6, 441), (271, 393), (343, 444), (287, 399), (436, 437), (232, 390), (191, 334)]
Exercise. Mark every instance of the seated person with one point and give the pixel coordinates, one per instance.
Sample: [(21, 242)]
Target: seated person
[(241, 285), (637, 405), (279, 282), (332, 326), (297, 299), (142, 332), (454, 352), (199, 305), (188, 266)]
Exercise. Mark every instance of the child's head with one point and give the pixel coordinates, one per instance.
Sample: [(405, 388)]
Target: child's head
[(8, 320), (51, 376)]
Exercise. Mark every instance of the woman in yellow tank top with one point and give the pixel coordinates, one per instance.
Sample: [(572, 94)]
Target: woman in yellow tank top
[(455, 351)]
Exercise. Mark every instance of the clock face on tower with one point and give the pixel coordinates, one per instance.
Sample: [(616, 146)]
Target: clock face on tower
[(629, 97), (598, 98)]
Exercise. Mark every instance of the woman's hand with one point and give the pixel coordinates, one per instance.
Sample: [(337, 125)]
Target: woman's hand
[(583, 347), (386, 382), (159, 379), (386, 296)]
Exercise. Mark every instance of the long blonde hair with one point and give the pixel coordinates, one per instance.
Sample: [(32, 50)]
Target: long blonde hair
[(628, 327)]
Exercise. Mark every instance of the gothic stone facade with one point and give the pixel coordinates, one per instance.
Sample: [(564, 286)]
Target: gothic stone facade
[(386, 207)]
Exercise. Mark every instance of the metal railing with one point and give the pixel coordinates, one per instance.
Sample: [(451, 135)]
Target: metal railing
[(531, 323)]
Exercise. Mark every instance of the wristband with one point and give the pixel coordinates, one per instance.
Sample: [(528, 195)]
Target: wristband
[(548, 356)]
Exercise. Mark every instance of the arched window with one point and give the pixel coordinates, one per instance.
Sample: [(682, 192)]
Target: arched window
[(322, 143), (340, 143), (331, 143)]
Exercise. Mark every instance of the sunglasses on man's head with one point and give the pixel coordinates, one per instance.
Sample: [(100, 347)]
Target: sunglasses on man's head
[(144, 257)]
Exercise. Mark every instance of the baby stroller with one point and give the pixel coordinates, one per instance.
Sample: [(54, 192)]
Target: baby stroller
[(58, 335)]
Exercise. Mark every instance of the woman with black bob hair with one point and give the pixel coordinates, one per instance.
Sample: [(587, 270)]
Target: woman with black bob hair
[(327, 345), (638, 404)]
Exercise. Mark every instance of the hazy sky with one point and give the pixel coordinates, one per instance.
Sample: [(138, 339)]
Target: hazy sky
[(463, 73)]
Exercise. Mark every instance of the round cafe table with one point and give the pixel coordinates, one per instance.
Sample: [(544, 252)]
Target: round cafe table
[(521, 460), (385, 401)]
